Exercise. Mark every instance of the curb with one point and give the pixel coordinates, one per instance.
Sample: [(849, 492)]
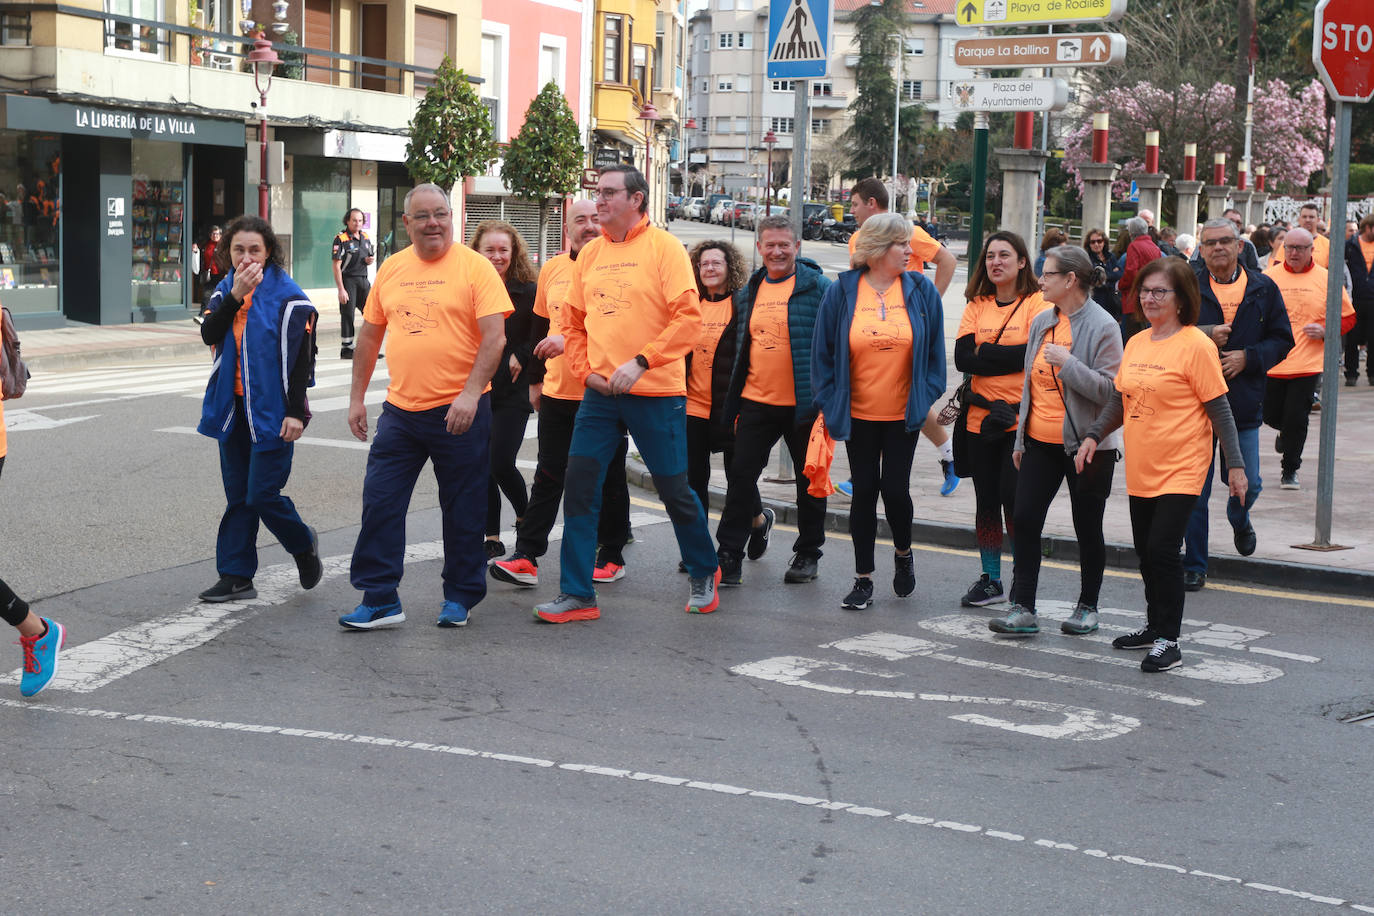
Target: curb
[(1271, 573), (104, 357)]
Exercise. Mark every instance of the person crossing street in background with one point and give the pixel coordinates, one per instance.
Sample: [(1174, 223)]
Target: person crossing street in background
[(631, 316), (351, 256)]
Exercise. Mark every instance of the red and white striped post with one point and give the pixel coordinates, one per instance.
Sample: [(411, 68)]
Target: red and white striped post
[(1259, 178), (1100, 132), (1190, 162), (1151, 152), (1219, 169), (1023, 130), (1243, 175)]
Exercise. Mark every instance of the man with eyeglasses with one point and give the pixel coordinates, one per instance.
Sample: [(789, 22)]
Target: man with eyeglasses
[(630, 318), (1249, 255), (1310, 219), (1288, 393), (1242, 311), (446, 308)]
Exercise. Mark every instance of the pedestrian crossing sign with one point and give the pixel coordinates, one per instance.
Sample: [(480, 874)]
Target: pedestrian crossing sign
[(799, 33)]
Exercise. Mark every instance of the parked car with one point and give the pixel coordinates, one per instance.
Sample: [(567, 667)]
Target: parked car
[(691, 208), (708, 212), (723, 211), (674, 208), (747, 215)]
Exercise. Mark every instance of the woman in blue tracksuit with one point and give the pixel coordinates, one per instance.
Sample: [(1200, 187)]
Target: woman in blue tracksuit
[(262, 329), (877, 364)]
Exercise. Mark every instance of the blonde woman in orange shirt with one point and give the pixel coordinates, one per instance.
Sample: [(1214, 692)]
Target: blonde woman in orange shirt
[(1170, 399)]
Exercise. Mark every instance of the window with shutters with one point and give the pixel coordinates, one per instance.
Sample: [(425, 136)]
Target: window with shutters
[(613, 50), (782, 125), (319, 33), (431, 45), (911, 90), (372, 40)]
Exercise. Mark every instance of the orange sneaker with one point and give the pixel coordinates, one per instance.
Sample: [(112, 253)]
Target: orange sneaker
[(518, 570), (705, 594), (567, 609), (608, 572)]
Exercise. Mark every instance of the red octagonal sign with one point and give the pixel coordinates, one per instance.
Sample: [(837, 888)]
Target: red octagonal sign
[(1343, 48)]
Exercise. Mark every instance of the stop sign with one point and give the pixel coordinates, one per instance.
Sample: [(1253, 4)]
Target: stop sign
[(1343, 48)]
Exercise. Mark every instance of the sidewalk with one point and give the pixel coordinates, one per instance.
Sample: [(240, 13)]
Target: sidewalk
[(1282, 518)]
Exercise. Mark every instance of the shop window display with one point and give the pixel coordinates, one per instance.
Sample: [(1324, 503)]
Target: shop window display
[(157, 219), (30, 219)]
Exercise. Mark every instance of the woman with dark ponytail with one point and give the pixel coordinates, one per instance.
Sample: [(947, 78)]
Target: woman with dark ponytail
[(352, 254)]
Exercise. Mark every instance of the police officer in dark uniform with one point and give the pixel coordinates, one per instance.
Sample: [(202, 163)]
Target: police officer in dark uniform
[(353, 252)]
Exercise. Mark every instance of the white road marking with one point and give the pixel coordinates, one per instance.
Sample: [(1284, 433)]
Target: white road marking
[(18, 419), (95, 664), (352, 444), (1076, 723), (895, 647), (1196, 665), (1157, 870)]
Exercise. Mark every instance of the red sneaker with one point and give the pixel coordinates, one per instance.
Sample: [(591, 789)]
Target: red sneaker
[(608, 572), (518, 570)]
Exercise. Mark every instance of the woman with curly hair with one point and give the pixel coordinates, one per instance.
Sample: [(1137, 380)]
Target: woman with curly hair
[(720, 272), (500, 243)]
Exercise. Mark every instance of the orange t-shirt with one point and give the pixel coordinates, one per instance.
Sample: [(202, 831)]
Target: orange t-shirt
[(240, 322), (1229, 295), (770, 352), (983, 318), (636, 297), (1367, 249), (552, 291), (923, 248), (880, 344), (1304, 297), (1045, 422), (432, 308), (4, 435), (714, 318), (1163, 386)]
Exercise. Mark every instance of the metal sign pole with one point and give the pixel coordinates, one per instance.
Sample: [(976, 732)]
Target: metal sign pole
[(1331, 358)]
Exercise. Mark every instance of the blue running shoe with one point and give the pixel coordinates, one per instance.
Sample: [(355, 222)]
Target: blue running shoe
[(453, 614), (951, 479), (40, 658), (846, 488), (370, 617)]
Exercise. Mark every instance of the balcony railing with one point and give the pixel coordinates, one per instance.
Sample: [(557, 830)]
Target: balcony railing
[(226, 51)]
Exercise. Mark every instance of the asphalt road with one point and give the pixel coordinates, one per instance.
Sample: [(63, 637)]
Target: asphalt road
[(778, 756)]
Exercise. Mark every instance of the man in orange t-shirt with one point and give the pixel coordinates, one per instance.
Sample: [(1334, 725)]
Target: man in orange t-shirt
[(1359, 264), (1288, 392), (558, 396), (446, 308), (769, 397), (631, 316)]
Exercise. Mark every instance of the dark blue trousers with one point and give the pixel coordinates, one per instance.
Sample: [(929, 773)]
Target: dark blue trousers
[(404, 441), (252, 487)]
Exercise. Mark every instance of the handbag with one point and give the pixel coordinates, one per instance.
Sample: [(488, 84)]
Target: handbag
[(14, 375), (958, 401)]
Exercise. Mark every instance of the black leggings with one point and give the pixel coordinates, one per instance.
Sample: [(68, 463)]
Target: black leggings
[(358, 289), (1043, 466), (994, 490), (699, 462), (1287, 408), (880, 453), (507, 434), (1157, 526), (12, 607)]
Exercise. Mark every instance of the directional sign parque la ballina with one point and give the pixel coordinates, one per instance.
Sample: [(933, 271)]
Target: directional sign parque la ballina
[(1037, 12), (1081, 49)]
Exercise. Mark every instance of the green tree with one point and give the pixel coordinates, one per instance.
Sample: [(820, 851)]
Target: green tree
[(451, 133), (868, 139), (545, 157)]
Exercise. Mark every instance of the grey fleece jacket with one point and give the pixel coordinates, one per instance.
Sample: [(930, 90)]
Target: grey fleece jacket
[(1087, 379)]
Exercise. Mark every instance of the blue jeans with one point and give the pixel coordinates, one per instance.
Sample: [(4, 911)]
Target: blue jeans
[(252, 488), (659, 428), (1195, 538), (405, 440)]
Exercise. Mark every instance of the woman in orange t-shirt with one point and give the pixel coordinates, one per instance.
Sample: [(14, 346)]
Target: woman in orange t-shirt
[(720, 272), (990, 346), (1171, 399)]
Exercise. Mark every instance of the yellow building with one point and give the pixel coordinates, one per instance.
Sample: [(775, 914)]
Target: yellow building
[(145, 113)]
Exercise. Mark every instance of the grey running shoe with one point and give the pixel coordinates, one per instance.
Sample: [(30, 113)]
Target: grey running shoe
[(702, 596), (1018, 622), (567, 608), (1081, 622)]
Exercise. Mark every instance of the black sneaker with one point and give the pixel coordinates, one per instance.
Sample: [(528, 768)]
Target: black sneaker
[(1193, 581), (494, 549), (1289, 481), (1246, 541), (345, 353), (804, 568), (861, 596), (230, 588), (1143, 638), (1163, 655), (308, 565), (731, 571), (903, 574), (758, 536), (985, 591)]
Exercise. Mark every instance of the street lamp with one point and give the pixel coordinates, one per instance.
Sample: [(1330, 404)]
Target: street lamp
[(648, 114), (687, 128), (263, 59), (769, 139), (920, 157), (897, 109)]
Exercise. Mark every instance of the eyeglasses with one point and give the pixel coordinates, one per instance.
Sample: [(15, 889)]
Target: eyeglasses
[(1097, 241), (608, 193), (1153, 293), (1054, 273), (1296, 247), (425, 216), (1217, 243)]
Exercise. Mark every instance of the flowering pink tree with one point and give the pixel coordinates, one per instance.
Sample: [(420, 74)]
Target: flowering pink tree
[(1290, 131)]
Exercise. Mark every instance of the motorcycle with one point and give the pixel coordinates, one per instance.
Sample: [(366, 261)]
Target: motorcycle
[(832, 231)]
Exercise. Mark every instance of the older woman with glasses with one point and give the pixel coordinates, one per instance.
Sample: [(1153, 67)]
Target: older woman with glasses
[(1170, 399)]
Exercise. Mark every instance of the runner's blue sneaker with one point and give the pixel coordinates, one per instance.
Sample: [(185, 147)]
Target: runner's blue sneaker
[(40, 658), (845, 487), (453, 614), (951, 482), (370, 617)]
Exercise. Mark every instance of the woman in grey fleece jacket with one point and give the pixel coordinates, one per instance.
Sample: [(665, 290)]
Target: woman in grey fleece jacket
[(1072, 356)]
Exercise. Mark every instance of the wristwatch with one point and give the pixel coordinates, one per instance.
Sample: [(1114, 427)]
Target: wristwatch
[(643, 363)]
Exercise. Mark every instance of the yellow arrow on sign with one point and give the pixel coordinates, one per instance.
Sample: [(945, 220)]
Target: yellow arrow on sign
[(1037, 12)]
